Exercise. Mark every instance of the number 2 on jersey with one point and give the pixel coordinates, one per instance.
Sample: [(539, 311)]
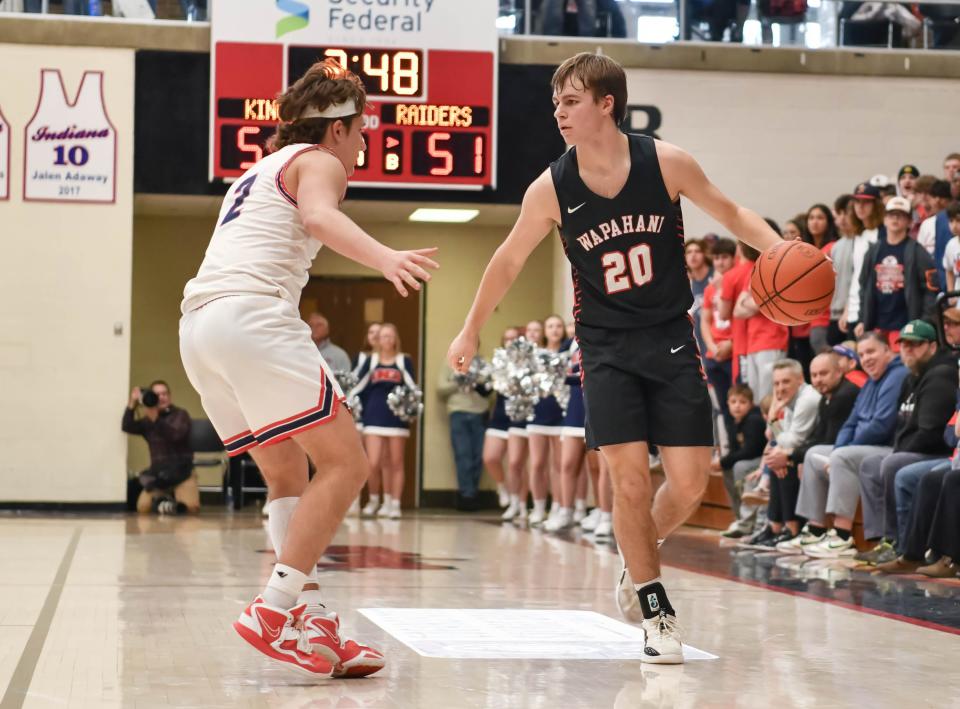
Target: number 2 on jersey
[(615, 264), (243, 191)]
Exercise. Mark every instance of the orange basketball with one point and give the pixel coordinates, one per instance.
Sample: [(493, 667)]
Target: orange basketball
[(792, 282)]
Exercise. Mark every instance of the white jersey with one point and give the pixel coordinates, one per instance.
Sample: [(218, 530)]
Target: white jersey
[(260, 246)]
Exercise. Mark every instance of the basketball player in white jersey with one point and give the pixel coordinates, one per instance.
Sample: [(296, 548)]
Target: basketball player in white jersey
[(616, 201), (261, 379)]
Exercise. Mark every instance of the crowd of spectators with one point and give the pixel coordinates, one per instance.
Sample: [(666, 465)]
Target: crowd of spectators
[(190, 10), (858, 409)]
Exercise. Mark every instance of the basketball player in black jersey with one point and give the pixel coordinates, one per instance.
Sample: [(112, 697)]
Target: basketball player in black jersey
[(616, 201)]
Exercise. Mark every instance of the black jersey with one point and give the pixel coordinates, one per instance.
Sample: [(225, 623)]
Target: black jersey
[(627, 254)]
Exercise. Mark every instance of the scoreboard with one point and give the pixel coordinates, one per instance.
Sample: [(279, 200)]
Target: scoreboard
[(429, 68)]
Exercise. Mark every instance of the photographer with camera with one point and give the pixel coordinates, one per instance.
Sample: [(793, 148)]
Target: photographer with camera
[(168, 485)]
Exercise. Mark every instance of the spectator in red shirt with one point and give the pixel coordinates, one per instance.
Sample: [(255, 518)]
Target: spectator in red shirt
[(757, 341), (717, 336)]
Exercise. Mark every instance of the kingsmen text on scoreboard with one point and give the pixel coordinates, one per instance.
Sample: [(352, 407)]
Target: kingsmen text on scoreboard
[(429, 67)]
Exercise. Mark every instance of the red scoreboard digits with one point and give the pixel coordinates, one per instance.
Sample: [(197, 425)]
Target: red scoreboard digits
[(430, 121)]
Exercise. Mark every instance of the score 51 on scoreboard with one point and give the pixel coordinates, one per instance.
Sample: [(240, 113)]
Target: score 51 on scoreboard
[(429, 67)]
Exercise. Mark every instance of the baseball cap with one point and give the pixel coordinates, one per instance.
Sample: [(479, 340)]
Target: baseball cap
[(899, 204), (880, 181), (952, 314), (918, 331), (866, 191), (908, 170), (846, 352)]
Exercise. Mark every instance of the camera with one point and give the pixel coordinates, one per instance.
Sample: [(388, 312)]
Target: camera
[(148, 397)]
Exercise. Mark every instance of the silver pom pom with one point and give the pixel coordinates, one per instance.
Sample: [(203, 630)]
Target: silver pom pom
[(479, 373), (405, 403), (512, 375), (551, 375), (347, 381)]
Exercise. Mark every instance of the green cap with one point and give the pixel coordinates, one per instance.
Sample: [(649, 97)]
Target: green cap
[(918, 331)]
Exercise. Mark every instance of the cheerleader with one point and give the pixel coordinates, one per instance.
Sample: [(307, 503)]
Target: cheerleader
[(600, 519), (385, 435), (374, 481), (544, 433), (496, 435), (572, 450), (370, 343), (517, 448)]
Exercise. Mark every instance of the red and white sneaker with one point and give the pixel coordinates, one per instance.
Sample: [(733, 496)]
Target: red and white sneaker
[(274, 632), (350, 658)]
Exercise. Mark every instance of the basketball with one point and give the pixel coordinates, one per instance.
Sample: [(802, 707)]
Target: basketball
[(792, 282)]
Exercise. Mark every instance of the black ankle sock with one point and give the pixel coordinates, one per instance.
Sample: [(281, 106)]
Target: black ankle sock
[(844, 534), (816, 531), (653, 599)]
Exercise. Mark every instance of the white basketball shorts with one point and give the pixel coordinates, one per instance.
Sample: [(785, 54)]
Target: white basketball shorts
[(259, 375)]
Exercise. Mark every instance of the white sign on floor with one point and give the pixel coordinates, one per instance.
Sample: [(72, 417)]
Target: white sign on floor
[(493, 634)]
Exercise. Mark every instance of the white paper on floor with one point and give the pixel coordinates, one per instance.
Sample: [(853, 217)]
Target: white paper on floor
[(469, 633)]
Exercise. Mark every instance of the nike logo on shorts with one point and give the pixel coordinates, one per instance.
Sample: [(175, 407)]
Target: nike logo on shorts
[(571, 210), (674, 350)]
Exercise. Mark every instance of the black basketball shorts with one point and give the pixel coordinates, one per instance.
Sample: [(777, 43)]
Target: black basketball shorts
[(645, 384)]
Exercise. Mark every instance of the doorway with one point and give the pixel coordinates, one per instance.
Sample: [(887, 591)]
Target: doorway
[(351, 304)]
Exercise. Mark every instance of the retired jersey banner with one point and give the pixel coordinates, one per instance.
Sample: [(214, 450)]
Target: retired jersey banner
[(4, 158), (70, 146)]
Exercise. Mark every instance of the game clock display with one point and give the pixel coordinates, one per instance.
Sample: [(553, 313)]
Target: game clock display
[(425, 124)]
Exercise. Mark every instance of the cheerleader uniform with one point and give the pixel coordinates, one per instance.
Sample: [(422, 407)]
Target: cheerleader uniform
[(376, 382), (573, 420), (499, 423), (547, 414)]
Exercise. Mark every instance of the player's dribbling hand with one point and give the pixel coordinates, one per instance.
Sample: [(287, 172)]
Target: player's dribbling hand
[(408, 268), (461, 352)]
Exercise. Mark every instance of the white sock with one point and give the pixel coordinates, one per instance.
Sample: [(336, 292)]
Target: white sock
[(566, 511), (638, 586), (554, 506), (395, 503), (539, 506), (374, 500), (606, 516), (281, 510), (580, 505), (311, 597), (387, 501), (501, 488), (284, 586), (515, 500)]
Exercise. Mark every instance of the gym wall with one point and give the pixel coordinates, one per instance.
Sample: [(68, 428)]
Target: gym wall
[(168, 251), (65, 298)]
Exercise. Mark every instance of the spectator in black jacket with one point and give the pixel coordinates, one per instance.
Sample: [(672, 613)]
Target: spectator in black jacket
[(898, 281), (838, 396), (746, 448), (921, 514), (927, 401), (166, 429)]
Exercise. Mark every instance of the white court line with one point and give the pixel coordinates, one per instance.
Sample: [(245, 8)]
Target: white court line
[(492, 634)]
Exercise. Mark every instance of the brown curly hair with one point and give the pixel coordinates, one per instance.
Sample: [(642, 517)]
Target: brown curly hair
[(324, 84)]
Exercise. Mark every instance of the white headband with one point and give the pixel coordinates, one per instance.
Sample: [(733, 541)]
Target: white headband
[(337, 110)]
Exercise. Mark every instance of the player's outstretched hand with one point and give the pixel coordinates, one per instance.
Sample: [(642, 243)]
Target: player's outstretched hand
[(409, 267), (462, 351)]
